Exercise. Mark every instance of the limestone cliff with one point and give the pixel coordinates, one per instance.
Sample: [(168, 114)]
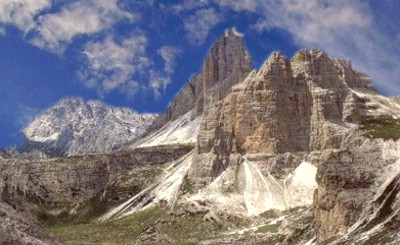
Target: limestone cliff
[(307, 109), (261, 139), (227, 63), (299, 105)]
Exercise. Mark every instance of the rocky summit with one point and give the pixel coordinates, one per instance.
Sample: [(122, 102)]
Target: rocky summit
[(73, 126), (298, 151)]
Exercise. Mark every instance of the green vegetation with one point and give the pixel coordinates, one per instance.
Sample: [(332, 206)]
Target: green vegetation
[(186, 186), (271, 228), (271, 214), (382, 237), (330, 240), (124, 231), (142, 177), (83, 213), (124, 186), (157, 224), (384, 128)]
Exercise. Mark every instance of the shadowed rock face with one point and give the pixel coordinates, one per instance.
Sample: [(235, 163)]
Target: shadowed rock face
[(227, 63), (17, 229)]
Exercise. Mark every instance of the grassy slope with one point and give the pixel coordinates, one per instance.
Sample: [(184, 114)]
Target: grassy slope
[(187, 229), (385, 128)]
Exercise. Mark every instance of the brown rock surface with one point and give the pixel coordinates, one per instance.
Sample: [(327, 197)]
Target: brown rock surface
[(227, 63), (62, 184), (299, 105), (351, 187), (17, 229)]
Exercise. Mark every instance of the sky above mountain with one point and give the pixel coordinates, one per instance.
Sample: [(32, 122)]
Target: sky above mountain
[(138, 54)]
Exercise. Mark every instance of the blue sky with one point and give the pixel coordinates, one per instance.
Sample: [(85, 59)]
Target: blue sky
[(139, 54)]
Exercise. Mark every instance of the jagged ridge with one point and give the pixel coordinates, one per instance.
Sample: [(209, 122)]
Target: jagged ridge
[(73, 126)]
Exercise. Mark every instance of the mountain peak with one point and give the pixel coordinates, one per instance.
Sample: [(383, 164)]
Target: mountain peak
[(227, 54), (71, 127), (227, 63), (232, 32)]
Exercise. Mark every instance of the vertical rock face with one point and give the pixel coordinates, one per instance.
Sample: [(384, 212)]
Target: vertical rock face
[(307, 109), (359, 191), (344, 187), (298, 105), (227, 63)]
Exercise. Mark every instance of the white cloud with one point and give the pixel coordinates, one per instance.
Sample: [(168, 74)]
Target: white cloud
[(311, 20), (345, 29), (113, 65), (158, 82), (189, 5), (55, 31), (21, 13), (248, 5), (200, 23), (169, 54)]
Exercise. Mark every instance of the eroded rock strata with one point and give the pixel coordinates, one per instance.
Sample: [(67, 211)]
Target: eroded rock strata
[(300, 105), (52, 187)]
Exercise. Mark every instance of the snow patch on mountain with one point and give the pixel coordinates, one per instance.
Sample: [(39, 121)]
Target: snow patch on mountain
[(165, 190), (73, 126), (180, 131), (257, 192)]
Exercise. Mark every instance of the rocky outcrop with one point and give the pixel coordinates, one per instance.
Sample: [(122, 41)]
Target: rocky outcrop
[(61, 185), (75, 127), (358, 190), (396, 99), (300, 105), (17, 229), (307, 109), (227, 63)]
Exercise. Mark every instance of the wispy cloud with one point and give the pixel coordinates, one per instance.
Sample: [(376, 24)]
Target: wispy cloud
[(199, 24), (112, 65), (158, 82), (21, 13), (184, 6), (247, 5), (113, 61), (169, 55), (55, 31)]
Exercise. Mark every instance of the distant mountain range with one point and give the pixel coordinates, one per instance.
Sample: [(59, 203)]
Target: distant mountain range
[(75, 127)]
